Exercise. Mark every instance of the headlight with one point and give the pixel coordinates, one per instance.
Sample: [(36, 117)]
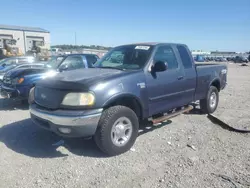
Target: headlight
[(79, 99), (17, 80)]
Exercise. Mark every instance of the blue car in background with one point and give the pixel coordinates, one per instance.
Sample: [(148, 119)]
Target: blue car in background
[(15, 61), (199, 58), (18, 82), (24, 66)]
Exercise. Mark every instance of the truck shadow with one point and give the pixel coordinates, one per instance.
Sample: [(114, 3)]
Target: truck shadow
[(9, 104), (26, 138)]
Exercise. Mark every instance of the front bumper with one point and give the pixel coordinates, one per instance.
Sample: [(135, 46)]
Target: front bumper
[(17, 92), (8, 92), (80, 123)]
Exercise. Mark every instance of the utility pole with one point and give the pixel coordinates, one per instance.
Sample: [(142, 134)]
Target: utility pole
[(75, 38)]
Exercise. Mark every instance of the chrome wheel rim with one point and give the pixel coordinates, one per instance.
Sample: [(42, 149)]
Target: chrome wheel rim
[(121, 131), (213, 100)]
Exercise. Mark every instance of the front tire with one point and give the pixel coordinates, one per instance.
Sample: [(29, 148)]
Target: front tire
[(210, 103), (117, 130)]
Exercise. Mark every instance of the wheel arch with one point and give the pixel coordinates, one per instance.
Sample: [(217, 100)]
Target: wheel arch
[(128, 100), (216, 83)]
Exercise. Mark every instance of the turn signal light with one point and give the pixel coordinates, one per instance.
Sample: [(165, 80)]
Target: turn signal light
[(20, 80)]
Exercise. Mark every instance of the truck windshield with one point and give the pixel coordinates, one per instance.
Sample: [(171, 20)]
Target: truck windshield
[(126, 57), (54, 62)]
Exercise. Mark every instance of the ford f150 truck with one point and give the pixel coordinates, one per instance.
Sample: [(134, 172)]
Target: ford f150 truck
[(130, 84), (18, 82)]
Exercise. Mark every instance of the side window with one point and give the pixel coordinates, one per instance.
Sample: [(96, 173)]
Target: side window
[(11, 61), (185, 57), (24, 66), (22, 60), (37, 66), (166, 54), (72, 62), (91, 59)]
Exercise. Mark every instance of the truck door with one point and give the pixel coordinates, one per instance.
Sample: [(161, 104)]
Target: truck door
[(190, 76), (164, 88)]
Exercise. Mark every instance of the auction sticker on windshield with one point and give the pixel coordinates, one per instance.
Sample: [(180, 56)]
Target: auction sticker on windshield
[(142, 47)]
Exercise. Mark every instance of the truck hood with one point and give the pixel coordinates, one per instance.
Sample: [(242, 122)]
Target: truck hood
[(80, 79), (23, 72)]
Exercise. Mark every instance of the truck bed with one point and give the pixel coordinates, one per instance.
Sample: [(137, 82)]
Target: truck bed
[(205, 74), (207, 64)]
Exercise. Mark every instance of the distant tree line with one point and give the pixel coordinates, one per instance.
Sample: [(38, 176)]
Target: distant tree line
[(78, 47)]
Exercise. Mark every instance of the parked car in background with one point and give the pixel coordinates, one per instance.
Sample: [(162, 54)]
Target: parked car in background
[(17, 66), (199, 58), (240, 59), (130, 84), (224, 59), (18, 82), (220, 59), (14, 61)]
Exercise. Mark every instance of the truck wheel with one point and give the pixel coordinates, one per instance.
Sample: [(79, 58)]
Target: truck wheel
[(117, 130), (210, 103)]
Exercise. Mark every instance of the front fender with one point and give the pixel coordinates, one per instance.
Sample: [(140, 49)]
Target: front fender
[(31, 80), (117, 96)]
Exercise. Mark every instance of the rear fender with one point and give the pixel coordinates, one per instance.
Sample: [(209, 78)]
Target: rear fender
[(215, 82)]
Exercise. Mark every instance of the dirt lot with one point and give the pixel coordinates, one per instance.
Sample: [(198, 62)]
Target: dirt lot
[(160, 158)]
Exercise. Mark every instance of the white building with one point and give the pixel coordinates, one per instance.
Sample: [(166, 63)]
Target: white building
[(200, 52), (24, 38)]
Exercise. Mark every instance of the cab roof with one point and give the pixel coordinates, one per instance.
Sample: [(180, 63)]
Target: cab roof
[(153, 43)]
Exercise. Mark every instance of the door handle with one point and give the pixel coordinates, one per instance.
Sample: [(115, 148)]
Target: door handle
[(180, 78)]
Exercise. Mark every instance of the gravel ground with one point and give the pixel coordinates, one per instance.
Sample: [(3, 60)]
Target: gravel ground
[(188, 151)]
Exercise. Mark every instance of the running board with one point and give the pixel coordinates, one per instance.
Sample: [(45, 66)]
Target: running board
[(168, 116)]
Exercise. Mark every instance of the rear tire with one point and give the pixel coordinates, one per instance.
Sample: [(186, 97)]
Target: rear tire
[(117, 130), (210, 103)]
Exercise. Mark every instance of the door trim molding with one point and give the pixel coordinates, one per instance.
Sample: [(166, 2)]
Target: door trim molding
[(160, 97)]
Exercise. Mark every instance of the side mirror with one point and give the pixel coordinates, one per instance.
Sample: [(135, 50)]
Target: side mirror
[(63, 68), (160, 66)]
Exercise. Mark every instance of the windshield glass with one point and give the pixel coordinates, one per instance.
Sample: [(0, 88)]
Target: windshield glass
[(54, 62), (7, 61), (5, 69), (126, 57)]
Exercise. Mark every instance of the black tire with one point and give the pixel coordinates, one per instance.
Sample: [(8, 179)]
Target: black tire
[(205, 103), (102, 136)]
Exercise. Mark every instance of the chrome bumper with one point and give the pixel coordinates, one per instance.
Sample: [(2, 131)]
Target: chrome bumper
[(82, 123)]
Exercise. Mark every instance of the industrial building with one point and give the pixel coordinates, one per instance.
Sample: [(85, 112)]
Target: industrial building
[(23, 39)]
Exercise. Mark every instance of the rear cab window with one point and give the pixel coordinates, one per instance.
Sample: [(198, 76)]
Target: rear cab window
[(185, 57)]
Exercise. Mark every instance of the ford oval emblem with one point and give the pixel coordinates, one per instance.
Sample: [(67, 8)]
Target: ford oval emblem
[(43, 96)]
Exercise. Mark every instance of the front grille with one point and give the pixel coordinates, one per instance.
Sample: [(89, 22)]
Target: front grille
[(48, 97)]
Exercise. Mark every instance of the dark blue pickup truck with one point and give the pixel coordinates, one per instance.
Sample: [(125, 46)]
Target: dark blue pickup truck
[(18, 82), (130, 84)]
